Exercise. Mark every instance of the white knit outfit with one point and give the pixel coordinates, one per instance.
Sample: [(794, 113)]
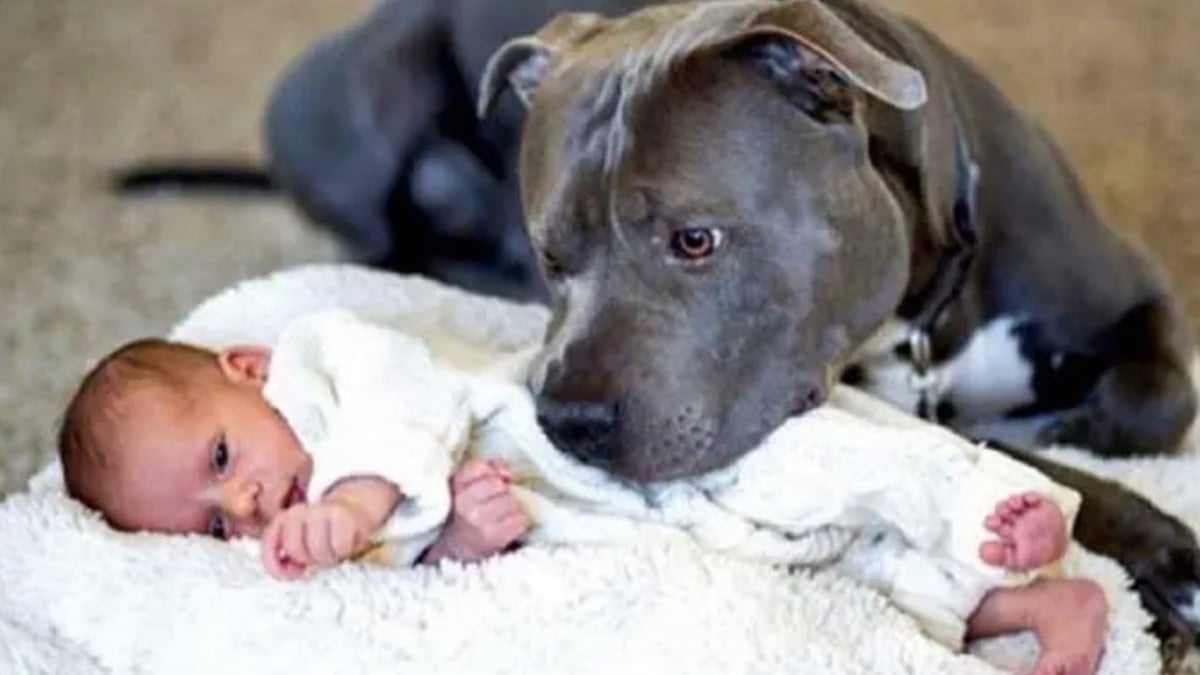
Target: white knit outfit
[(893, 502)]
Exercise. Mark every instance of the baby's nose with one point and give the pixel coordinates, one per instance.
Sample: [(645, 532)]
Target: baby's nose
[(240, 500)]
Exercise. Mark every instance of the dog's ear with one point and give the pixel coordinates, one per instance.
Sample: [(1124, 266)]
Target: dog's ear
[(795, 42), (522, 62)]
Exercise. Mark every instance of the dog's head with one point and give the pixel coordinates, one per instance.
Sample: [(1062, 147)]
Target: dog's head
[(699, 183)]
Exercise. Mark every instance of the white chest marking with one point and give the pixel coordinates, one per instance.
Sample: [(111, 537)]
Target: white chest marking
[(986, 379)]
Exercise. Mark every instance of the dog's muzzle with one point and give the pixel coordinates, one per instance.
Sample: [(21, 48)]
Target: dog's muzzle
[(588, 430)]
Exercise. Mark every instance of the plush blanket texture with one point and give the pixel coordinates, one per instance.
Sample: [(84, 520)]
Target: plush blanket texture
[(78, 597)]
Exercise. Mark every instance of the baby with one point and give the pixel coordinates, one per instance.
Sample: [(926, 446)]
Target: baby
[(171, 438), (342, 439)]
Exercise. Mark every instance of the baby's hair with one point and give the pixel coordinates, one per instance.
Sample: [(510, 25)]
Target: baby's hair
[(90, 432)]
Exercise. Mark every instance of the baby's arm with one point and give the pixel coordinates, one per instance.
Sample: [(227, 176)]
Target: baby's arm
[(368, 401), (332, 530), (486, 518)]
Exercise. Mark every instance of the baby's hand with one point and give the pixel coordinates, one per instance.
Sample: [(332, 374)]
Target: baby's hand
[(485, 518), (309, 535)]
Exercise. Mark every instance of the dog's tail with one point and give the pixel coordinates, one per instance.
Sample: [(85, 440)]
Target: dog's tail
[(193, 177)]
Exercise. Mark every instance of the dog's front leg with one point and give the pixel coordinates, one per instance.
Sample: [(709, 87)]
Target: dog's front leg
[(1145, 401), (1157, 550)]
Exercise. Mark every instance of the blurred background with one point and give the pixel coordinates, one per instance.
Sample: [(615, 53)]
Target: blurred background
[(87, 86)]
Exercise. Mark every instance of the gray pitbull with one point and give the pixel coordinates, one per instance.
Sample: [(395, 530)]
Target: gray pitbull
[(733, 204)]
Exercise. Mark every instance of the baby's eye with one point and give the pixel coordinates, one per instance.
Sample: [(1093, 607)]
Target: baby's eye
[(218, 526), (220, 456)]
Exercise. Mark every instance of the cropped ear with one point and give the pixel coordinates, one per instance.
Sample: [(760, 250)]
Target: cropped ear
[(806, 32), (791, 40), (522, 62)]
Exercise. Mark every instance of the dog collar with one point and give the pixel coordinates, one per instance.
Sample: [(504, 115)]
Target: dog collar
[(948, 281)]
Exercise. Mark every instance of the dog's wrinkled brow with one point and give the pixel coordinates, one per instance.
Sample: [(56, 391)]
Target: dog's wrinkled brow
[(601, 122)]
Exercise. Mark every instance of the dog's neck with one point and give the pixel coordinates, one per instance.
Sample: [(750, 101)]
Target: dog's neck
[(929, 302), (953, 267)]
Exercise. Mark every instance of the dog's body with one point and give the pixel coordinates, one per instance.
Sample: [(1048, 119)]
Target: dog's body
[(1059, 314), (736, 203), (372, 133)]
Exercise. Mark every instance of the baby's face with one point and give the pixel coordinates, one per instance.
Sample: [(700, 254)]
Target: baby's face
[(223, 463)]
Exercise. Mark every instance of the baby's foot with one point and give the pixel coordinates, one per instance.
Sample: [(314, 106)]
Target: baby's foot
[(1032, 531), (1070, 623)]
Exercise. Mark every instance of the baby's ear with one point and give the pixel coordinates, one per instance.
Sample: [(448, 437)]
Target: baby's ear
[(245, 363)]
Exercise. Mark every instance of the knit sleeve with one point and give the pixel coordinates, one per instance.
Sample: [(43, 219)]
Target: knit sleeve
[(368, 401)]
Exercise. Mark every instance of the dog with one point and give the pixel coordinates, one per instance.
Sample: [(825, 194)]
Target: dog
[(735, 204)]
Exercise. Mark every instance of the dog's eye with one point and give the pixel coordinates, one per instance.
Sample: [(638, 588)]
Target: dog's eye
[(695, 243)]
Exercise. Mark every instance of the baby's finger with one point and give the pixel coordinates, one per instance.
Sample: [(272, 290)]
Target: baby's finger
[(469, 471), (501, 469), (515, 525), (503, 505), (275, 560), (483, 488), (481, 505), (269, 549), (498, 535), (293, 542), (290, 569), (344, 537), (317, 538)]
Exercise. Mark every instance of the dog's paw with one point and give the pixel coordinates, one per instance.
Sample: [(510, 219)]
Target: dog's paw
[(1090, 429), (1158, 550), (1169, 585), (1074, 428)]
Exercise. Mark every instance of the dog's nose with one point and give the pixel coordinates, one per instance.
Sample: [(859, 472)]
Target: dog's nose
[(585, 429)]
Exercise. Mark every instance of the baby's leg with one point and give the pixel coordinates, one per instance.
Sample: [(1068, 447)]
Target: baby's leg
[(1032, 531), (1069, 617)]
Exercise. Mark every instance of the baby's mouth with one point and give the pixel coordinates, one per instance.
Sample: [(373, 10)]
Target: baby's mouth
[(295, 495)]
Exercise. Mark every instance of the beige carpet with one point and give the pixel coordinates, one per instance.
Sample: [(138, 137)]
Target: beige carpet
[(87, 85)]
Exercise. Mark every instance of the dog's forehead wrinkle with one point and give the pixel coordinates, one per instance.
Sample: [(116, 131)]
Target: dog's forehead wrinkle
[(570, 209), (593, 115), (602, 126)]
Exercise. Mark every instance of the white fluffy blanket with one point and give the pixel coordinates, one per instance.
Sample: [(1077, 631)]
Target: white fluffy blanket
[(78, 597)]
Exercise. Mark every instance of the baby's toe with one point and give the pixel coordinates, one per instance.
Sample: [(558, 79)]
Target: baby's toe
[(1065, 664), (1015, 505), (993, 523), (994, 553)]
